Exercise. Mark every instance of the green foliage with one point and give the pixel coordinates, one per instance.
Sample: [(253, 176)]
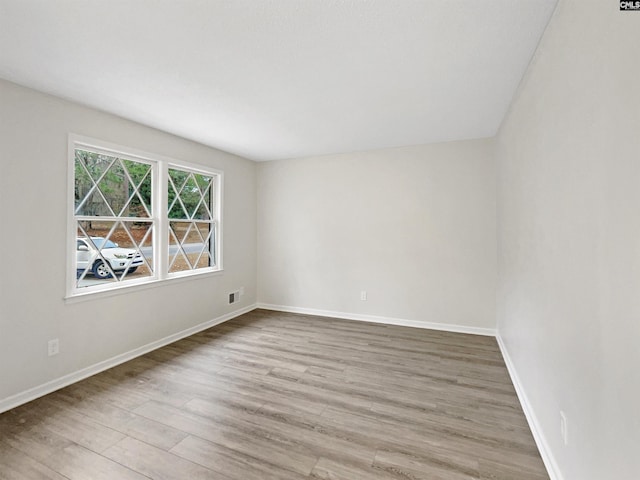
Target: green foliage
[(115, 179), (186, 191), (140, 174)]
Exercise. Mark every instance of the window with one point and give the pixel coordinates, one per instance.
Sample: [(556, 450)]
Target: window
[(191, 224), (137, 218)]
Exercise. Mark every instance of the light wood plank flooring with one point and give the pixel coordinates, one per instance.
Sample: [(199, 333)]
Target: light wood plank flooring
[(281, 396)]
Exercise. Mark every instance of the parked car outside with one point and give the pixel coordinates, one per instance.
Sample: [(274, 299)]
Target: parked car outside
[(120, 259)]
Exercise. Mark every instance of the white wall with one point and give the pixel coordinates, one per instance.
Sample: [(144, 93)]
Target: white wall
[(33, 189), (569, 238), (413, 226)]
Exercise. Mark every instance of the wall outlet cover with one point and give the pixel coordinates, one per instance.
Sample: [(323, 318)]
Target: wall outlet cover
[(53, 347)]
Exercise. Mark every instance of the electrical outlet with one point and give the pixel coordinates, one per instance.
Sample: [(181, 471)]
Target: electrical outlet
[(53, 347), (564, 428), (363, 295)]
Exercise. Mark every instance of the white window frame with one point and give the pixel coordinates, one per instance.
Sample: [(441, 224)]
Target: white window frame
[(160, 166)]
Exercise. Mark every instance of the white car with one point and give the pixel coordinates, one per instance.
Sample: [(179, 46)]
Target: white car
[(119, 258)]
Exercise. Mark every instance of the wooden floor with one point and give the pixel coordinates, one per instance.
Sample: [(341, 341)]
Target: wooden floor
[(283, 396)]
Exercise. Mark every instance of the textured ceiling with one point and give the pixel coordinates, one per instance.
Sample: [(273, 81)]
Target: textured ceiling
[(270, 79)]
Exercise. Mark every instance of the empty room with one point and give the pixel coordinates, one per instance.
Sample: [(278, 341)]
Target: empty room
[(330, 239)]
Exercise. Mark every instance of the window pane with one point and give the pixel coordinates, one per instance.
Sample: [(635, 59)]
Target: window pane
[(183, 242), (109, 187), (189, 195), (139, 189), (177, 179), (189, 246), (112, 251), (205, 231)]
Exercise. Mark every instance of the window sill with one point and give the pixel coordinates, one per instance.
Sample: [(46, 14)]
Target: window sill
[(143, 285)]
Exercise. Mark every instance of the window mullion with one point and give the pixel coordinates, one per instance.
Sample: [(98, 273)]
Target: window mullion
[(161, 200)]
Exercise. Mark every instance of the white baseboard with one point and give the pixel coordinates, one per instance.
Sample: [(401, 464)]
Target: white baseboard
[(376, 319), (61, 382), (543, 447)]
